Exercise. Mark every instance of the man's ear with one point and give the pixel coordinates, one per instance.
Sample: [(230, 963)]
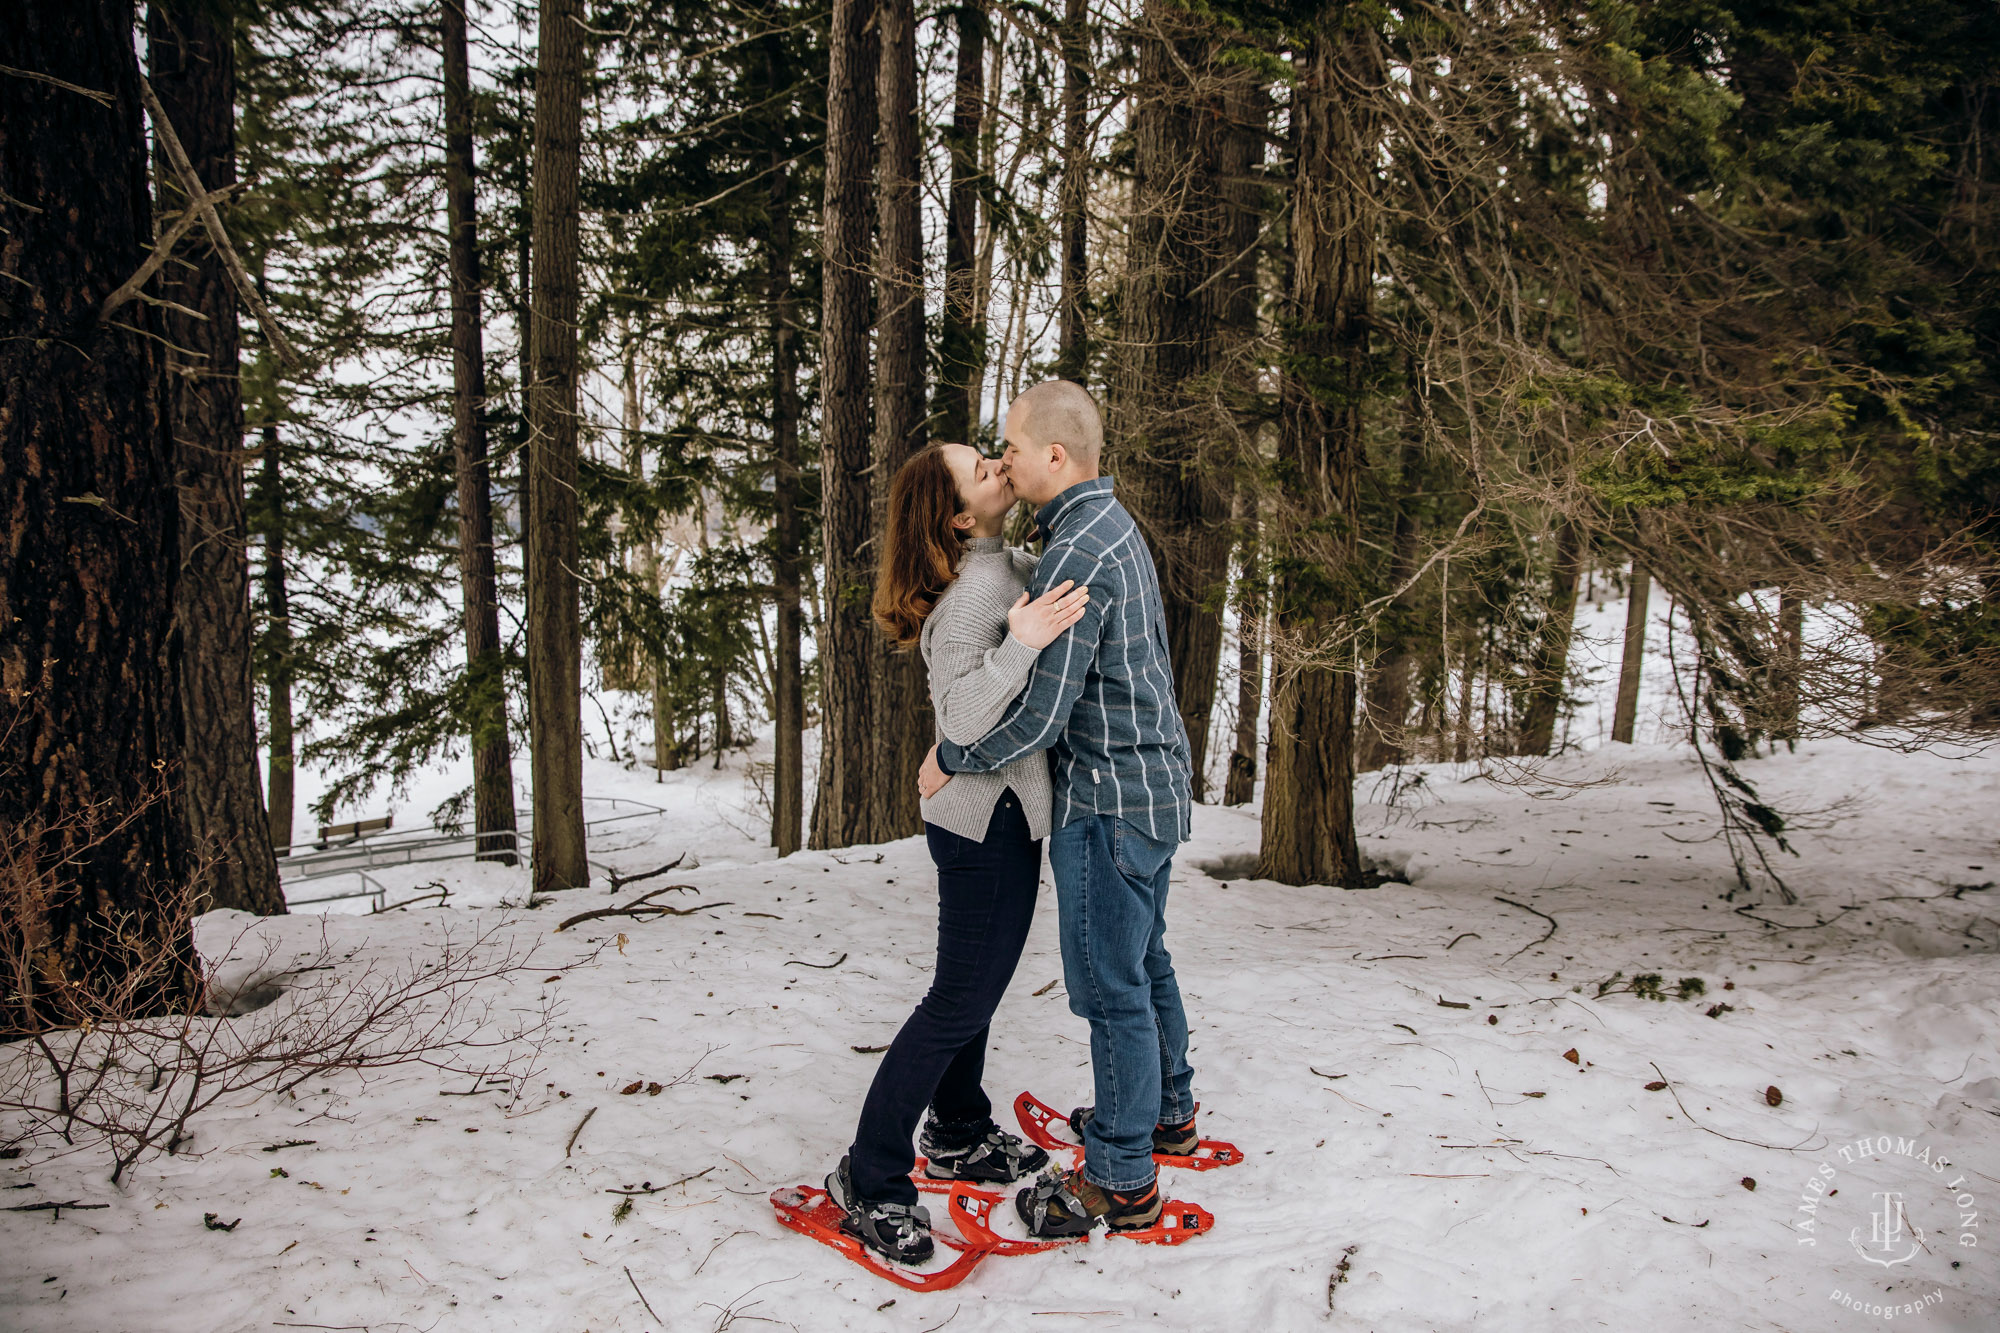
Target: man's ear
[(1058, 457)]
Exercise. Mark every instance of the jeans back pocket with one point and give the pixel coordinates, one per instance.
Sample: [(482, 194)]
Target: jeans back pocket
[(1136, 854)]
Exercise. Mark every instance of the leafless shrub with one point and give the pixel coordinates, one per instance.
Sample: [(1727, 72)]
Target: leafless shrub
[(118, 1073)]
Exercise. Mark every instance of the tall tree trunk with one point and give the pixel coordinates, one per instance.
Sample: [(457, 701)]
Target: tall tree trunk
[(1073, 351), (962, 338), (1385, 706), (91, 739), (555, 643), (901, 691), (1549, 672), (1168, 421), (1241, 784), (1308, 833), (843, 810), (787, 666), (1625, 715), (278, 644), (193, 60), (492, 757)]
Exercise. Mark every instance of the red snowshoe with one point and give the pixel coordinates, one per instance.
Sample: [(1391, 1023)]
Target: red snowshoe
[(807, 1210), (1039, 1121), (972, 1212)]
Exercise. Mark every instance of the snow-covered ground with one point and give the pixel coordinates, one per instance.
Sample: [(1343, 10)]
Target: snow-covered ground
[(1448, 1165)]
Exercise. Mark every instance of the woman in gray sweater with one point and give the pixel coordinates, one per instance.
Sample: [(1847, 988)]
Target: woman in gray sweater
[(950, 585)]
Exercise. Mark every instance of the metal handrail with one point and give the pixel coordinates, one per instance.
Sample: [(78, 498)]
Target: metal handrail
[(379, 892), (414, 846)]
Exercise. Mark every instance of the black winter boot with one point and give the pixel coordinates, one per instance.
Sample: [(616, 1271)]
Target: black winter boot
[(898, 1231), (981, 1151)]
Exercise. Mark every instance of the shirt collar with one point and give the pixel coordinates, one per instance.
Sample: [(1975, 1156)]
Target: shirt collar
[(983, 545), (1052, 513)]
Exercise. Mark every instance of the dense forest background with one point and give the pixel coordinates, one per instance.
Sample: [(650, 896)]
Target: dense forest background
[(384, 381)]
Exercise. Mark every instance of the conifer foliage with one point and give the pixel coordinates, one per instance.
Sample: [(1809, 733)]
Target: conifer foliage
[(459, 378)]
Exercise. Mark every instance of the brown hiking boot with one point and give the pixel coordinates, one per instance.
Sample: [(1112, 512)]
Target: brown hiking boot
[(1060, 1206), (1172, 1140)]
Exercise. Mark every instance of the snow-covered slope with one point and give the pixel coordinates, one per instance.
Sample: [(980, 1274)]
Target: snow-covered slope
[(1448, 1165)]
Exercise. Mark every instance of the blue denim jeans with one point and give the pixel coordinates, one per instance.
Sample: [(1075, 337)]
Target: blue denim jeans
[(1111, 896)]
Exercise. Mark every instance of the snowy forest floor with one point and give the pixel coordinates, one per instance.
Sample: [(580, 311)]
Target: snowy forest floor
[(1411, 1164)]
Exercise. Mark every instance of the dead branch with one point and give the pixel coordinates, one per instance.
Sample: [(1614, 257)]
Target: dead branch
[(200, 201), (620, 881), (640, 909), (163, 250)]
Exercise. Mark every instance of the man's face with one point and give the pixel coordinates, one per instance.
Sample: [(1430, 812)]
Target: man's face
[(1025, 464)]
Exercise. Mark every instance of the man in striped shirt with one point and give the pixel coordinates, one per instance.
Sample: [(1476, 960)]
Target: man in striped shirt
[(1101, 701)]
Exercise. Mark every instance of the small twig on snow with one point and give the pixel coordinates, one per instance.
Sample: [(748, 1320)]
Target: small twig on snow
[(642, 1295), (1776, 1147), (800, 962), (1525, 908), (578, 1130)]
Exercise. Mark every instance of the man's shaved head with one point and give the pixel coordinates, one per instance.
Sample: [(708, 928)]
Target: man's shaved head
[(1060, 412)]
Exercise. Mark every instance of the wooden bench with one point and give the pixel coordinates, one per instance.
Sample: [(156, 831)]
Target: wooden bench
[(360, 828)]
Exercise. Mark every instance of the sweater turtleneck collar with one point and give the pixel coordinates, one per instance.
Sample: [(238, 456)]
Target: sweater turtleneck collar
[(985, 545)]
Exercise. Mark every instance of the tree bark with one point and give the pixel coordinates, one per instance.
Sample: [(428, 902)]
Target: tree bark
[(1308, 827), (1549, 672), (843, 810), (962, 337), (91, 741), (1625, 715), (485, 669), (194, 75), (1073, 350), (1385, 707), (555, 644), (901, 694), (1241, 784), (787, 664), (278, 644), (1169, 424)]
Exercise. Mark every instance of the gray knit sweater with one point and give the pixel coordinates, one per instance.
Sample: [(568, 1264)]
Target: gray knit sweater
[(977, 669)]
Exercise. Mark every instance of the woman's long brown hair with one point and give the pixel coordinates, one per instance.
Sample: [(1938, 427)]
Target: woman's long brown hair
[(920, 555)]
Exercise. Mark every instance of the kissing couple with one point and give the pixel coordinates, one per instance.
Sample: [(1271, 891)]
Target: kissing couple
[(1054, 696)]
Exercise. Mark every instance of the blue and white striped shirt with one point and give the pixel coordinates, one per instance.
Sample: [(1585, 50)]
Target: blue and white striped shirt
[(1101, 698)]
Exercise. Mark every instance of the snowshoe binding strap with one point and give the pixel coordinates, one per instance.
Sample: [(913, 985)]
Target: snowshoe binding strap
[(995, 1157), (1052, 1211)]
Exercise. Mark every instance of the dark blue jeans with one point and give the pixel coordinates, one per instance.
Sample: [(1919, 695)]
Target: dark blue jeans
[(986, 900), (1111, 893)]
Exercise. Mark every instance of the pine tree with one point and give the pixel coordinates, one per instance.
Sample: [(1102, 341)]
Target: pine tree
[(492, 757), (192, 54), (99, 858), (1308, 831), (555, 641), (845, 811)]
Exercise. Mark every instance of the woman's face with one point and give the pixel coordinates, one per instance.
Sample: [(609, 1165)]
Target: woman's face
[(984, 491)]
